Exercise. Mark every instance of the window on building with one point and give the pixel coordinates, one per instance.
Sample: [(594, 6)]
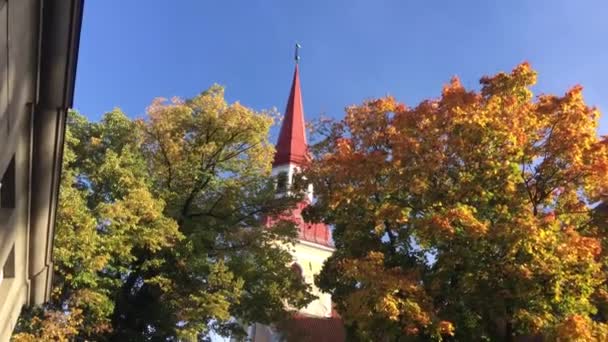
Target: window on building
[(282, 182), (8, 269), (7, 187), (297, 270), (7, 202)]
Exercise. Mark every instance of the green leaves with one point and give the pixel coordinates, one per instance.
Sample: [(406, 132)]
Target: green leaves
[(159, 231)]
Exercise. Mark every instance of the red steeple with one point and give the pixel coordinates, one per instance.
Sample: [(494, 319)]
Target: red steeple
[(291, 147)]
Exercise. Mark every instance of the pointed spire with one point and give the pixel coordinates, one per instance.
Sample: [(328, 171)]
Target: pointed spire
[(292, 151), (291, 147)]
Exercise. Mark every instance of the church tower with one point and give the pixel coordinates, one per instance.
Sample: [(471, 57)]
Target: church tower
[(314, 240), (317, 321)]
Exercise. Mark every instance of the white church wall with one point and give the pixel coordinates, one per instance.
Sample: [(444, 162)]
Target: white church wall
[(310, 257)]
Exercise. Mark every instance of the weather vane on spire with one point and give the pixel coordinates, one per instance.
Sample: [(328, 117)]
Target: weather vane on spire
[(298, 47)]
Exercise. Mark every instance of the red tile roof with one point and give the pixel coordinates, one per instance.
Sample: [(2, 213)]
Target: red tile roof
[(318, 233)]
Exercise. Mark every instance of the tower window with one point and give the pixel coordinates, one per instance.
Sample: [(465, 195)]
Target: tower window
[(282, 182)]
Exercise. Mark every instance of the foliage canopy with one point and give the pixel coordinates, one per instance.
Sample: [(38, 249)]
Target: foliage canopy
[(475, 207), (159, 233)]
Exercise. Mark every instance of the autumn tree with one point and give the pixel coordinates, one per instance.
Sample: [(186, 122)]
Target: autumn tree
[(467, 217), (159, 232)]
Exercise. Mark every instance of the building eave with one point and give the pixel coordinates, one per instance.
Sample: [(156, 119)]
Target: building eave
[(59, 37), (317, 245)]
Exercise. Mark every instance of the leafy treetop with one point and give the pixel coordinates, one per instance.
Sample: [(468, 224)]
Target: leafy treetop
[(158, 232), (475, 207)]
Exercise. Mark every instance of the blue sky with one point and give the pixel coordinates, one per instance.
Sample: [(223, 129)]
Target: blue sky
[(132, 51)]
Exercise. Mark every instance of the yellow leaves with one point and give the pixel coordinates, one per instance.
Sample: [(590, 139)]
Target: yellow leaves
[(387, 104), (514, 84), (533, 322), (396, 295), (369, 121), (390, 213), (185, 141), (95, 141), (391, 131), (139, 219), (465, 217), (418, 185), (388, 305), (379, 228)]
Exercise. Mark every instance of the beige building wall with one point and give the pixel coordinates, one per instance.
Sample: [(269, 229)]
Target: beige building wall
[(38, 49), (310, 258), (18, 42)]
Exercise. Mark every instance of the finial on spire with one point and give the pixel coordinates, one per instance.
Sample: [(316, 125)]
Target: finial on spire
[(298, 47)]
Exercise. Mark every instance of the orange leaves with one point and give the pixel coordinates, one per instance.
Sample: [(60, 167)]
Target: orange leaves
[(465, 217), (344, 146), (575, 328), (492, 186), (446, 328), (580, 328), (445, 224), (455, 87), (457, 98), (596, 185), (581, 247), (442, 224), (549, 217)]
